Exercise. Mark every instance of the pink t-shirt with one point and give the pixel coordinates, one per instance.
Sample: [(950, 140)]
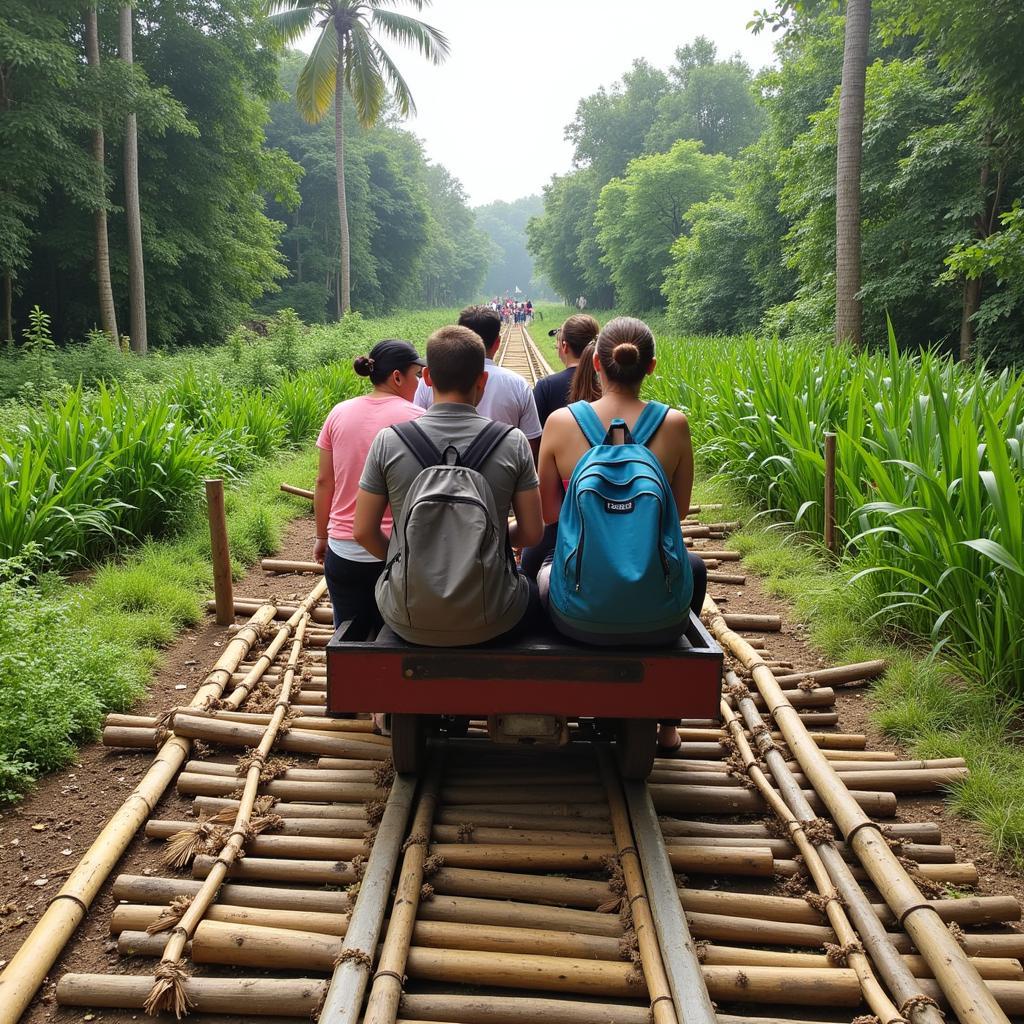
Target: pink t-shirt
[(347, 434)]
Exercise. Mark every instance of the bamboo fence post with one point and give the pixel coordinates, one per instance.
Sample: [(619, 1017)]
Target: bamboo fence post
[(830, 491), (30, 964), (168, 992), (971, 1000), (382, 1006), (344, 1000), (222, 588)]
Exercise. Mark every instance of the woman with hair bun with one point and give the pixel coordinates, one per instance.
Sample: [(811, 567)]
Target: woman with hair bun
[(351, 572), (623, 355)]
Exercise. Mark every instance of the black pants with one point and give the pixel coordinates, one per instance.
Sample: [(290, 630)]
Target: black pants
[(350, 585), (533, 558)]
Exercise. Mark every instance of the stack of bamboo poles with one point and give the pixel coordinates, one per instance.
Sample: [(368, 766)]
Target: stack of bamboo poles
[(29, 966), (958, 980)]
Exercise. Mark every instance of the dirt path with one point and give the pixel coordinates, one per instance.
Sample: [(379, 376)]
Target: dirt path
[(42, 838)]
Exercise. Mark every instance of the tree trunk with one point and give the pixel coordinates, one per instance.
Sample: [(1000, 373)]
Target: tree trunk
[(344, 299), (8, 304), (133, 215), (848, 161), (972, 300), (106, 296)]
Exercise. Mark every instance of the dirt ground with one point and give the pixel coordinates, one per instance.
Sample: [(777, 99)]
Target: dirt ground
[(43, 837)]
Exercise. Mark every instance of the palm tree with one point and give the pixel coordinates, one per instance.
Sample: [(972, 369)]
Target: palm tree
[(347, 56), (848, 161), (133, 216)]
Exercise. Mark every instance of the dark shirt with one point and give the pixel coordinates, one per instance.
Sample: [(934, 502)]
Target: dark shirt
[(551, 393)]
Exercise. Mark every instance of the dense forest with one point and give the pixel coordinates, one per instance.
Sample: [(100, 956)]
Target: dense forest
[(236, 188), (709, 191)]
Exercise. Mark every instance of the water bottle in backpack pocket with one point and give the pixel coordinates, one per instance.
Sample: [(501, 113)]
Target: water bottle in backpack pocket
[(620, 573)]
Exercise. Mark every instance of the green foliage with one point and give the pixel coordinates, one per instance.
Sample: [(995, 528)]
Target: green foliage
[(709, 285), (713, 102), (930, 479), (641, 214), (94, 469), (511, 265), (69, 654), (918, 700), (413, 238)]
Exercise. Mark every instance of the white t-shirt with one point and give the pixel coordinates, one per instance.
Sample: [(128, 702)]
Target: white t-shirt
[(507, 399)]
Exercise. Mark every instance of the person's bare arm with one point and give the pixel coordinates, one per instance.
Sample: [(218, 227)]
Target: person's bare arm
[(370, 509), (323, 495), (547, 468), (682, 479), (528, 529)]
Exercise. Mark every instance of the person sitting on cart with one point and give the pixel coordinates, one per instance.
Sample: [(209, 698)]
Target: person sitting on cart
[(623, 357), (451, 478), (508, 398)]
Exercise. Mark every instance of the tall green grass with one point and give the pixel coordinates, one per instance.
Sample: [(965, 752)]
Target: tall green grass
[(92, 467), (930, 476)]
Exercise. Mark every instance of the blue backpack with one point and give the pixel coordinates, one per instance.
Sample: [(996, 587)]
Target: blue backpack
[(620, 573)]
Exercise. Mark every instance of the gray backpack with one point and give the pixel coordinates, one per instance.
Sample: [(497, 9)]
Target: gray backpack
[(449, 569)]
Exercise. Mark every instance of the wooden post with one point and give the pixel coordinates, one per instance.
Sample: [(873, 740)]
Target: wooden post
[(830, 491), (222, 591)]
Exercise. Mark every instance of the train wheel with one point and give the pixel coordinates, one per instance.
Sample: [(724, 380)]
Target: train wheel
[(408, 743), (634, 747)]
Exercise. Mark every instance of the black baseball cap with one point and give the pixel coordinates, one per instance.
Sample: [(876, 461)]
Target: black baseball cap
[(394, 354)]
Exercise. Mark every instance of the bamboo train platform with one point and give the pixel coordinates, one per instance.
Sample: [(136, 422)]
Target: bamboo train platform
[(764, 874)]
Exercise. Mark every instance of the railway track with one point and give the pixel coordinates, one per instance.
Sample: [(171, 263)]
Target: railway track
[(518, 352), (764, 874)]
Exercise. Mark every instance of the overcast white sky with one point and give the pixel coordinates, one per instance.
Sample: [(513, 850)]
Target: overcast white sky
[(494, 113)]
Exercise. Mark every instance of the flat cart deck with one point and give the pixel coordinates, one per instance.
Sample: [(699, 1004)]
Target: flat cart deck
[(542, 676)]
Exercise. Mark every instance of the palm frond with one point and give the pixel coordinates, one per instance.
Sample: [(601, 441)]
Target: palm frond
[(397, 85), (363, 75), (418, 35), (291, 20), (315, 88), (417, 4)]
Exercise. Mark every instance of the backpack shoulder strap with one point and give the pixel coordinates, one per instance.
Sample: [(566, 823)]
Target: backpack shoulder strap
[(649, 421), (414, 437), (589, 422), (483, 444)]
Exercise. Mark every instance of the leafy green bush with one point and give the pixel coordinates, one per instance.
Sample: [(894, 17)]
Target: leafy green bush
[(930, 475)]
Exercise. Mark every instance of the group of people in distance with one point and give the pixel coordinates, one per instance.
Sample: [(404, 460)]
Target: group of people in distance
[(418, 478), (512, 311)]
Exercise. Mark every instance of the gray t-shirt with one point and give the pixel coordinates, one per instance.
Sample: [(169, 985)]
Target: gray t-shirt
[(391, 469)]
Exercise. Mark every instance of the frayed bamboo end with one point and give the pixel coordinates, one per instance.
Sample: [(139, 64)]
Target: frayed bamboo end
[(170, 915), (168, 993), (202, 838)]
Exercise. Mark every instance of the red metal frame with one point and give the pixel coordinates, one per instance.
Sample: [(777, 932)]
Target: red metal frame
[(550, 677)]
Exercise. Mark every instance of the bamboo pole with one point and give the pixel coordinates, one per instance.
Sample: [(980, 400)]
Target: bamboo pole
[(30, 964), (659, 925), (972, 1001), (724, 800), (829, 507), (147, 889), (848, 939), (289, 565), (167, 992), (749, 622), (382, 1006), (855, 673), (344, 1000), (300, 492), (246, 605), (222, 589)]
